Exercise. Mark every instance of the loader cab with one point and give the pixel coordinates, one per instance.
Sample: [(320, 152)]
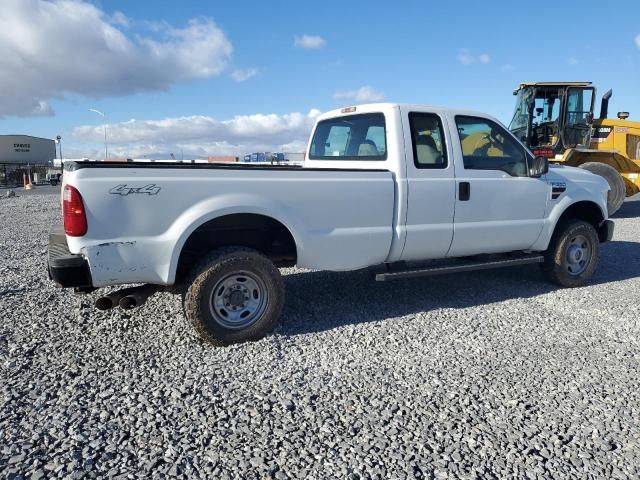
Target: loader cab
[(551, 117)]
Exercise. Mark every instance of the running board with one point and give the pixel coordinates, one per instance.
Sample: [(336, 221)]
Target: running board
[(511, 261)]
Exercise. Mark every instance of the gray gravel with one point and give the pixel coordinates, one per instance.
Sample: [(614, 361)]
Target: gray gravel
[(486, 375)]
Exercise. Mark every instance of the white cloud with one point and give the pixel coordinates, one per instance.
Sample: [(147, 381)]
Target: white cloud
[(244, 75), (638, 41), (465, 57), (41, 109), (309, 41), (201, 136), (507, 67), (119, 18), (51, 49), (362, 95), (572, 61)]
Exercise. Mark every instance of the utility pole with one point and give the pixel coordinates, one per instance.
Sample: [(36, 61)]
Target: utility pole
[(59, 142), (106, 144)]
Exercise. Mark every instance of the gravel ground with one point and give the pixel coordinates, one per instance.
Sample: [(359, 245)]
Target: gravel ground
[(487, 375)]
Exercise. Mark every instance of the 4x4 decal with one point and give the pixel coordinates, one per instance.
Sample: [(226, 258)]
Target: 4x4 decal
[(124, 190)]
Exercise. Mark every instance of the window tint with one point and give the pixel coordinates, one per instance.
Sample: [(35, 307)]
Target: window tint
[(352, 137), (427, 137), (487, 146)]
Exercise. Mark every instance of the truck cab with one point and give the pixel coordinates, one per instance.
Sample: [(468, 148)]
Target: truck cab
[(465, 184), (552, 117)]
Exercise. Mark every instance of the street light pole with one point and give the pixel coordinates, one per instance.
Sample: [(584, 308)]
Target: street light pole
[(59, 142), (106, 144)]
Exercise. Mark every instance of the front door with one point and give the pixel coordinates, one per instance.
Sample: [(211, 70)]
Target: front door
[(499, 207)]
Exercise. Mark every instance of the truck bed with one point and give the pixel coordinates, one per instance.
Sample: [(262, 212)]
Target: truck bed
[(140, 215)]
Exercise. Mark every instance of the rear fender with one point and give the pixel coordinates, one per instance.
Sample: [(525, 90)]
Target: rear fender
[(210, 209)]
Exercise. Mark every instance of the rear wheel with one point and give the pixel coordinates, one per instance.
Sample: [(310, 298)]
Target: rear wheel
[(234, 295), (572, 256), (617, 190)]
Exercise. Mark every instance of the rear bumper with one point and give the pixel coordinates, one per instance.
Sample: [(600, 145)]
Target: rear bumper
[(605, 231), (66, 269)]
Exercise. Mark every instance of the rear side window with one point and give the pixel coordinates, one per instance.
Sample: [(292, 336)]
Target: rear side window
[(427, 138), (488, 146), (353, 137)]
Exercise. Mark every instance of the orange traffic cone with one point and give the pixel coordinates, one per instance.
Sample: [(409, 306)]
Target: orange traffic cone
[(27, 184)]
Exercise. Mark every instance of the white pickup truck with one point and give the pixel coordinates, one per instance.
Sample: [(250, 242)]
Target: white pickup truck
[(413, 190)]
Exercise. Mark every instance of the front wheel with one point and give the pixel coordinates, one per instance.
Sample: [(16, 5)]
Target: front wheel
[(573, 253), (234, 295)]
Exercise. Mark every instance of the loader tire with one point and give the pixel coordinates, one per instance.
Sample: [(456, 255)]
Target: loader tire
[(234, 295), (617, 187), (573, 253)]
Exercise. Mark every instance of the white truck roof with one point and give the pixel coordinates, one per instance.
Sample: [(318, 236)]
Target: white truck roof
[(385, 106)]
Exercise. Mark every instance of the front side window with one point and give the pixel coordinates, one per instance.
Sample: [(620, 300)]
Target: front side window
[(353, 137), (427, 137), (488, 146)]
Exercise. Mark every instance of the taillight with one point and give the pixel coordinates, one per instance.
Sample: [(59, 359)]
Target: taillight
[(73, 214)]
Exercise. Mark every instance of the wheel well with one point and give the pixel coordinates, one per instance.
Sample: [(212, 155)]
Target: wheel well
[(587, 211), (259, 232)]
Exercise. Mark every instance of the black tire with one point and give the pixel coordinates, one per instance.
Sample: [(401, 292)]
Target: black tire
[(561, 260), (201, 302), (617, 187)]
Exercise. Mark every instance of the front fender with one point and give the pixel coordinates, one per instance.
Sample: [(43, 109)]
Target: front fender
[(556, 212)]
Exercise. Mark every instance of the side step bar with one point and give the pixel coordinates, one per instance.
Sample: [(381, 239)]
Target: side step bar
[(440, 269)]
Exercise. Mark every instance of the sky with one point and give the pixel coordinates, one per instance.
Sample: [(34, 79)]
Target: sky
[(198, 78)]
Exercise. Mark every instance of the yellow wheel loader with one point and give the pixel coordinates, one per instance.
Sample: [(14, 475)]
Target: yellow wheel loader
[(556, 120)]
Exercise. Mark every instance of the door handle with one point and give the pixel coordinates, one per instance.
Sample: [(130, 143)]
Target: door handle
[(464, 191)]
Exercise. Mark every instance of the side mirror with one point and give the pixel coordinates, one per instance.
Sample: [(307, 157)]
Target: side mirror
[(539, 166)]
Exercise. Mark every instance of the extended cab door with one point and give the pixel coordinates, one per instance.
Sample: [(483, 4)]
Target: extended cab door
[(431, 185), (499, 207)]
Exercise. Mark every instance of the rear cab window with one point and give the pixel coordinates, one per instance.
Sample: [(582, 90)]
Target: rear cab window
[(428, 140), (352, 137)]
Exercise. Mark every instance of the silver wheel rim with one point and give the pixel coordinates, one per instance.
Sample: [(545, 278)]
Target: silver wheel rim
[(578, 254), (238, 300)]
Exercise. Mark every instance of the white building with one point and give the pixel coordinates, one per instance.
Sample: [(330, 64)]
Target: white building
[(25, 149)]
